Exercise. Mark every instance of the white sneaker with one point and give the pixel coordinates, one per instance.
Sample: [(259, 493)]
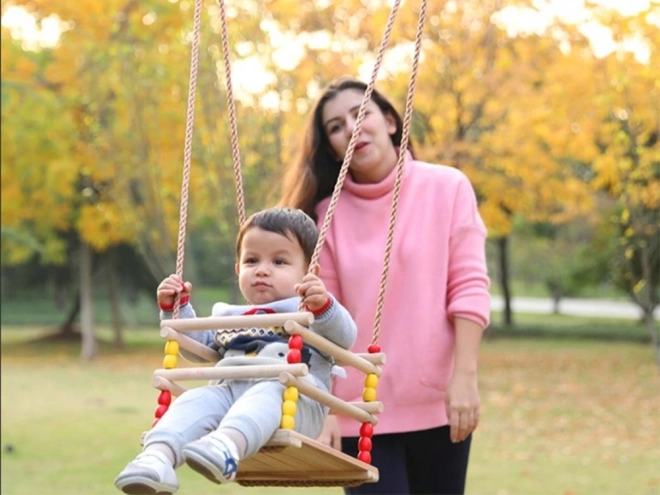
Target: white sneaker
[(212, 458), (150, 473)]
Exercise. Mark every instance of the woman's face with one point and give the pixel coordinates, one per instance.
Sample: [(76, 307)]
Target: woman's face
[(374, 155)]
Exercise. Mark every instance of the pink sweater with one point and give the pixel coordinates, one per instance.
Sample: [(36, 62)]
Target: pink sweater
[(437, 272)]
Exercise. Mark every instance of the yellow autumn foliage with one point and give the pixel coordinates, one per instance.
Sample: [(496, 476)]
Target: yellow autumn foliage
[(539, 126)]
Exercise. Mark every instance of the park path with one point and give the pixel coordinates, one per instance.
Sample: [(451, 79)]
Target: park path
[(577, 307)]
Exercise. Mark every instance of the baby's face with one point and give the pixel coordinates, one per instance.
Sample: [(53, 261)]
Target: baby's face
[(269, 267)]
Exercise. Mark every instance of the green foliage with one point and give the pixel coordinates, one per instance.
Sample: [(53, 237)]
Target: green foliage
[(37, 179), (570, 328), (48, 308), (635, 248), (567, 258), (22, 240)]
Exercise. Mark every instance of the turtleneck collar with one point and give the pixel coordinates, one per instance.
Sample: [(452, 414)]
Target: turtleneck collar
[(376, 189)]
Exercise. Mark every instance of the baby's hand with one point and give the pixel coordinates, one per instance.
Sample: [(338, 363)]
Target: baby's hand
[(313, 292), (169, 288)]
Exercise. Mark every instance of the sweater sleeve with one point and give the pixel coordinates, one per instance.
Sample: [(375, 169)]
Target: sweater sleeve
[(468, 282), (336, 325)]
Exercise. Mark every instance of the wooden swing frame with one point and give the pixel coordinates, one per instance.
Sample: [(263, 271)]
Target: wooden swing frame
[(289, 458)]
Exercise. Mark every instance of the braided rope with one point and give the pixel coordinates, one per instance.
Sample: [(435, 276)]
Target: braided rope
[(399, 172), (187, 153), (338, 186), (231, 105), (325, 226), (404, 144)]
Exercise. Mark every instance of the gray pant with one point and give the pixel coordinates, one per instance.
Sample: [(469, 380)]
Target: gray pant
[(253, 407)]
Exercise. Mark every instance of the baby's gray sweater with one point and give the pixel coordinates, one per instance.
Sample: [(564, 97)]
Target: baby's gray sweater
[(335, 324)]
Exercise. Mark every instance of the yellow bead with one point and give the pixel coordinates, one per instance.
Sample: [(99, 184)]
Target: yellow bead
[(369, 394), (291, 393), (287, 422), (172, 347), (289, 408), (169, 361), (371, 381)]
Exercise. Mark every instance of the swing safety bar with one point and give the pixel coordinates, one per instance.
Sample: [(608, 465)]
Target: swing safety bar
[(323, 344), (328, 399), (233, 372), (241, 321)]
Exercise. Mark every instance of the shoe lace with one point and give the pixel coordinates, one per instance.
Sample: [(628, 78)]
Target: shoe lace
[(231, 466)]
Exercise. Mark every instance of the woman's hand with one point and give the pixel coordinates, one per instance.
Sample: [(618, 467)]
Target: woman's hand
[(462, 405), (462, 397), (331, 435)]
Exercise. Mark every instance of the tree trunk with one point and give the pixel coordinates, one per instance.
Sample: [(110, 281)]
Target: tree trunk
[(3, 282), (556, 299), (647, 303), (66, 328), (503, 261), (89, 344), (113, 293)]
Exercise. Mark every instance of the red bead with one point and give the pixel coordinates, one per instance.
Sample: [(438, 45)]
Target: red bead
[(364, 444), (165, 398), (364, 456), (294, 356), (155, 421), (367, 430), (160, 410), (295, 342), (373, 349)]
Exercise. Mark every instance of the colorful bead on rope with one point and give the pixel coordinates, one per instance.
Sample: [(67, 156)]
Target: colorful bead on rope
[(289, 408), (295, 349), (365, 443), (169, 362), (291, 395), (368, 395), (164, 401)]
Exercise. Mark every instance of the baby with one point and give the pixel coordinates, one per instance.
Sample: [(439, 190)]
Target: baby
[(213, 427)]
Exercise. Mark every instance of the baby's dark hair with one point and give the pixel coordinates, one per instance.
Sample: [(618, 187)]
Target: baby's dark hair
[(285, 221)]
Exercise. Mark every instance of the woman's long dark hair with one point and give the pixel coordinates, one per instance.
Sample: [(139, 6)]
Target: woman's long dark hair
[(313, 175)]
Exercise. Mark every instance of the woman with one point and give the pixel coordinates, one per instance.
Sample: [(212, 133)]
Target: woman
[(437, 301)]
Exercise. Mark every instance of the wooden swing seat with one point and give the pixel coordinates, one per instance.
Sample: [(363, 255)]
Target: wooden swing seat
[(292, 459)]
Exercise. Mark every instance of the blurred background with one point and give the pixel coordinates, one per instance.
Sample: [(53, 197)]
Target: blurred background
[(551, 108)]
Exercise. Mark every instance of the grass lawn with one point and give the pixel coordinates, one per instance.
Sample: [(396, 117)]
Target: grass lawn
[(559, 417)]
